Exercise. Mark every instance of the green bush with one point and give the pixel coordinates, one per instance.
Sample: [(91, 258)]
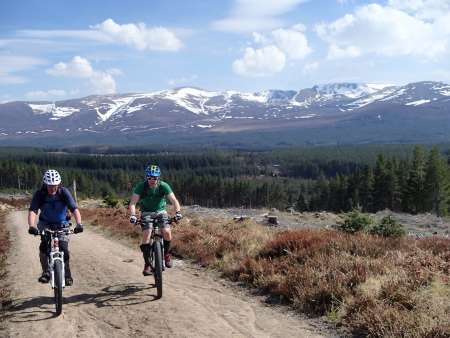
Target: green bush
[(355, 221), (388, 227), (111, 201), (126, 202)]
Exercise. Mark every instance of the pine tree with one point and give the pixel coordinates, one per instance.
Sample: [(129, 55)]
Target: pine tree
[(365, 194), (415, 187), (381, 194), (437, 187), (392, 186)]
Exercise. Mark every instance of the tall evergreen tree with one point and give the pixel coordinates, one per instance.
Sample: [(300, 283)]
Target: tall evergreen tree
[(415, 187), (381, 195), (366, 190), (437, 185)]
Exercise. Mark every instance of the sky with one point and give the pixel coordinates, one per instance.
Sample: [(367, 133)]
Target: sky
[(54, 50)]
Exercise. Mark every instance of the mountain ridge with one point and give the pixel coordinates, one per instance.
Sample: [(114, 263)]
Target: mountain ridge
[(192, 112)]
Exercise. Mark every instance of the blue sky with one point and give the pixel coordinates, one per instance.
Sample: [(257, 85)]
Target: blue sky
[(54, 50)]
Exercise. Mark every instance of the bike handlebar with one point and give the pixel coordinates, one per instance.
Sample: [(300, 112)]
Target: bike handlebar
[(64, 231), (169, 221)]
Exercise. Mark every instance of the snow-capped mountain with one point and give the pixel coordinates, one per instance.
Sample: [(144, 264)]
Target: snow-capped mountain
[(190, 112)]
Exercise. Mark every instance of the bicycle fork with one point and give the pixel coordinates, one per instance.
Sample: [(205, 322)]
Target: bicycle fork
[(54, 256)]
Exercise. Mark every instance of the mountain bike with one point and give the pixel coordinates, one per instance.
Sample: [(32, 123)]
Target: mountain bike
[(156, 249), (55, 258)]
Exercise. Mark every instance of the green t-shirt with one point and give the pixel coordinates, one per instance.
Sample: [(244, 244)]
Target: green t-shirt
[(155, 198)]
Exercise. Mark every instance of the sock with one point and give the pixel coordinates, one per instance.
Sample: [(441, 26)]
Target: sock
[(166, 246)]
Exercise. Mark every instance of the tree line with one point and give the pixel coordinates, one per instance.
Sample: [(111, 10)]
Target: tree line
[(408, 180)]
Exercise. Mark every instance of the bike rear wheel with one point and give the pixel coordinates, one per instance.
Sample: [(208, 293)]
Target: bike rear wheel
[(57, 273), (158, 266)]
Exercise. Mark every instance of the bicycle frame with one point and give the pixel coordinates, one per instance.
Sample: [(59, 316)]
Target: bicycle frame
[(156, 234), (157, 249), (55, 254)]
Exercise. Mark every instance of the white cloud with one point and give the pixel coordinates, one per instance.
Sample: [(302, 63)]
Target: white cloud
[(115, 72), (387, 31), (255, 15), (424, 9), (182, 80), (279, 46), (40, 94), (260, 38), (292, 41), (78, 67), (260, 62), (102, 82), (12, 64), (93, 35), (137, 36), (140, 36), (335, 52), (310, 67)]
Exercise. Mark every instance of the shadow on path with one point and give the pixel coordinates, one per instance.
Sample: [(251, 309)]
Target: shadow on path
[(43, 308)]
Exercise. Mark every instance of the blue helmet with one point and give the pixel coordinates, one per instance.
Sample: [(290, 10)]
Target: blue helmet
[(152, 170)]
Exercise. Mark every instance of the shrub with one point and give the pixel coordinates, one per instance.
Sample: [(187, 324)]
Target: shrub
[(111, 201), (355, 221), (388, 227), (126, 202), (4, 246), (373, 285)]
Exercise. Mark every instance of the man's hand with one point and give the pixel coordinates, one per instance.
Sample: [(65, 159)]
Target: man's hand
[(178, 215), (33, 231), (78, 229), (133, 219)]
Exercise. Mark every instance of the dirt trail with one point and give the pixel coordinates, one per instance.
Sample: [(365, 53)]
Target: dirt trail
[(110, 297)]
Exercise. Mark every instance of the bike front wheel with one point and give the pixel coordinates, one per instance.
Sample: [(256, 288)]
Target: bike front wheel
[(158, 266), (57, 275)]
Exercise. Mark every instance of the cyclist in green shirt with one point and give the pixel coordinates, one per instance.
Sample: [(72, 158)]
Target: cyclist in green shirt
[(151, 196)]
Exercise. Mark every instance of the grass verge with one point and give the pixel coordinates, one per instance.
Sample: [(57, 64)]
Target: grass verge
[(372, 286)]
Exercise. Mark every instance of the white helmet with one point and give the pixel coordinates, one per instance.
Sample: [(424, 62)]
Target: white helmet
[(52, 177)]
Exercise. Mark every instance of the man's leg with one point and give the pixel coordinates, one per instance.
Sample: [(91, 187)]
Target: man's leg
[(167, 236), (43, 258), (64, 246), (145, 248)]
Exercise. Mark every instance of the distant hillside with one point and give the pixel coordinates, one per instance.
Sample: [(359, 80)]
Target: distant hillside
[(329, 114)]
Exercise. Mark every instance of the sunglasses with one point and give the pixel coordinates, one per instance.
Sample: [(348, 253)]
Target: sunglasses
[(152, 178)]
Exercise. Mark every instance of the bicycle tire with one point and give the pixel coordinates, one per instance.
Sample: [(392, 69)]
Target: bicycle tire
[(57, 275), (158, 267)]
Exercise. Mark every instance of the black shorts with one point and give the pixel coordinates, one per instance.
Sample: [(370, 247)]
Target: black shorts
[(150, 218)]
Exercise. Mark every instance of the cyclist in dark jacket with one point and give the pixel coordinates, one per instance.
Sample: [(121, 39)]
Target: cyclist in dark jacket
[(53, 201)]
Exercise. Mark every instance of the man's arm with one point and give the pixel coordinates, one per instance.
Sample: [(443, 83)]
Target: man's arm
[(77, 215), (133, 201), (32, 219), (173, 200)]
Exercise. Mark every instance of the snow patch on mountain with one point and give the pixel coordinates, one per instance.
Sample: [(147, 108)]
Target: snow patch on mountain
[(377, 96), (42, 108), (135, 108), (57, 112), (191, 99), (417, 103), (308, 116), (442, 88), (255, 97), (395, 94), (349, 90), (117, 105)]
